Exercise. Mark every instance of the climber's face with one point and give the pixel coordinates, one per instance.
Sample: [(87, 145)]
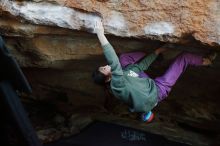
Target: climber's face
[(106, 70)]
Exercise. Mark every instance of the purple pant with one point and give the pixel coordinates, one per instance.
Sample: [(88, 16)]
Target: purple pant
[(165, 82), (132, 58)]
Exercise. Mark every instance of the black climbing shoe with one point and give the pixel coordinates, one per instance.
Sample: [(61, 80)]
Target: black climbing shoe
[(211, 56)]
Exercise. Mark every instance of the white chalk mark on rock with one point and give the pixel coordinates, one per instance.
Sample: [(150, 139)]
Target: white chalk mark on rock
[(159, 28), (116, 22), (50, 14)]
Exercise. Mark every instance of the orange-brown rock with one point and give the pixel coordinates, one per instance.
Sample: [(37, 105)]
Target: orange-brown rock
[(172, 20)]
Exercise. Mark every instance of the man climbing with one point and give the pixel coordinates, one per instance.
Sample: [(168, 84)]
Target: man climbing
[(128, 82)]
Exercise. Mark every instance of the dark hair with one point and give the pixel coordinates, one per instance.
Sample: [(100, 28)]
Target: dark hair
[(98, 77)]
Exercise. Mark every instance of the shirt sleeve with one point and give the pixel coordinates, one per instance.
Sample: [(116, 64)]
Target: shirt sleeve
[(113, 61), (147, 61)]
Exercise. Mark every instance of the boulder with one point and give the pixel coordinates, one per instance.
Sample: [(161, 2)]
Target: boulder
[(172, 21)]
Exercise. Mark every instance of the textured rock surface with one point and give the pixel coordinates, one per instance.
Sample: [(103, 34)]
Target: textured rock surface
[(58, 62), (172, 20), (190, 114)]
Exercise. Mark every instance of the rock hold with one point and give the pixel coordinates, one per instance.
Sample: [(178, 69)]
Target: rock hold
[(160, 20)]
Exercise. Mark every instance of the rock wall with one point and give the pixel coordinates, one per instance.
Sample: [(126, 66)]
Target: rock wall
[(53, 41), (43, 32), (172, 20)]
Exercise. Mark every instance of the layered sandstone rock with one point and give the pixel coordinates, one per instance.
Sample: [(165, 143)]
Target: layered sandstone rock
[(53, 40), (171, 20)]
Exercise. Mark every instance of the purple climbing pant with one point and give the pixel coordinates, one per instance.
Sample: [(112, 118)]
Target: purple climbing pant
[(165, 82), (132, 58)]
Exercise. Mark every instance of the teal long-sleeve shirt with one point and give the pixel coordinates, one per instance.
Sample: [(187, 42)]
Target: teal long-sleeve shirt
[(139, 93)]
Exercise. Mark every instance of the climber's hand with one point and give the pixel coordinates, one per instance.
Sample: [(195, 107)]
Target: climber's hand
[(160, 50), (98, 28)]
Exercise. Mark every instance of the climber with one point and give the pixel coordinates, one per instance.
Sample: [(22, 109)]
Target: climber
[(127, 80)]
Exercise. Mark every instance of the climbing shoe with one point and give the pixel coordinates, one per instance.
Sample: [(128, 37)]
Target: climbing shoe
[(210, 57), (147, 117)]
